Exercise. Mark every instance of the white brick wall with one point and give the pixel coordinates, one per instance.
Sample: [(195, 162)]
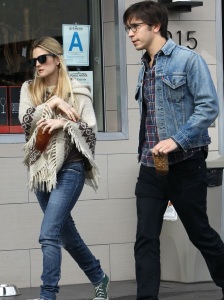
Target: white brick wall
[(106, 219)]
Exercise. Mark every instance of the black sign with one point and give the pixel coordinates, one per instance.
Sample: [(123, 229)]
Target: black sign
[(14, 96)]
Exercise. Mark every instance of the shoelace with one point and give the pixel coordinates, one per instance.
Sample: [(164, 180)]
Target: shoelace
[(99, 291)]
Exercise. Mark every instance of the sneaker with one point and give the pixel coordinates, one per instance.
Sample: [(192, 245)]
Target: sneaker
[(102, 288)]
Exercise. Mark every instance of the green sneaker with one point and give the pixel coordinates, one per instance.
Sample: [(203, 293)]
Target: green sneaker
[(102, 288)]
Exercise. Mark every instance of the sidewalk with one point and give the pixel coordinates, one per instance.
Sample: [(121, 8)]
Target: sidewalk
[(126, 290)]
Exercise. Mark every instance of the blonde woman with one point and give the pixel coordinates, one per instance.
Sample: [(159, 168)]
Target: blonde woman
[(60, 110)]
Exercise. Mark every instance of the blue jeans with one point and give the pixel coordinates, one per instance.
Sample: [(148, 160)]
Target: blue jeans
[(58, 230), (186, 187)]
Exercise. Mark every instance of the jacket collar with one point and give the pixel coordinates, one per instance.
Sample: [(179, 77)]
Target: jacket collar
[(168, 47)]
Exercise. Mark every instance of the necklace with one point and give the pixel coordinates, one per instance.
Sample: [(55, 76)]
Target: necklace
[(49, 92)]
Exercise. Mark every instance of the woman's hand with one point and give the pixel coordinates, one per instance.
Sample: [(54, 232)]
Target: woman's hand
[(65, 107), (49, 125)]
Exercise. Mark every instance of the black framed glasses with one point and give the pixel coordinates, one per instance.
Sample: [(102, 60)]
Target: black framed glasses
[(41, 59), (134, 27)]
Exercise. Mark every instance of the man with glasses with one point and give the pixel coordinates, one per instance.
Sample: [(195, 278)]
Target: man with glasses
[(178, 102)]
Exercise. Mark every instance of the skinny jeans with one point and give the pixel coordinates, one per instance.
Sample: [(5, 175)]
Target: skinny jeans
[(58, 230)]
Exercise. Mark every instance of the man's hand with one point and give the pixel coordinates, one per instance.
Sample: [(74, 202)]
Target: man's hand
[(164, 147)]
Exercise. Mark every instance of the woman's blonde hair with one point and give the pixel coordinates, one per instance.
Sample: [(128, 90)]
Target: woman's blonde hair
[(38, 86)]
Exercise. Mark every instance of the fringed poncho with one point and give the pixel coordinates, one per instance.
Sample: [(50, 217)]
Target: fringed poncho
[(43, 167)]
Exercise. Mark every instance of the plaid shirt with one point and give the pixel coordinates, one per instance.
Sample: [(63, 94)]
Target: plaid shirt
[(151, 133)]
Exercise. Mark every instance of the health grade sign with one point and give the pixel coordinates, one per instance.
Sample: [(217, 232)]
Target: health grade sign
[(76, 42)]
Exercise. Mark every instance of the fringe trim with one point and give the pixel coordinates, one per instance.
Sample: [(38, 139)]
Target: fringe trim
[(43, 176), (92, 176), (39, 181)]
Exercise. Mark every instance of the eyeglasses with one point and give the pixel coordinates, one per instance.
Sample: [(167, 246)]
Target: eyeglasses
[(133, 27), (41, 59)]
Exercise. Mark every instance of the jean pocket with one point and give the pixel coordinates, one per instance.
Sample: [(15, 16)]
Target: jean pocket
[(191, 165), (73, 167)]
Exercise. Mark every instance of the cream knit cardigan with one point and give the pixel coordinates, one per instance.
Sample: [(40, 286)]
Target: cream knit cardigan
[(43, 167)]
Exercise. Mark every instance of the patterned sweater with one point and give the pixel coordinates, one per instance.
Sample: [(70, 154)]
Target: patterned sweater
[(43, 167)]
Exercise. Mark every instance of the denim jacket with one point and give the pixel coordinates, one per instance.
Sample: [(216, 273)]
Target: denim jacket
[(186, 102)]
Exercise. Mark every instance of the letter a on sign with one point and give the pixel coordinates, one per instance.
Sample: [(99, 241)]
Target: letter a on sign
[(76, 42)]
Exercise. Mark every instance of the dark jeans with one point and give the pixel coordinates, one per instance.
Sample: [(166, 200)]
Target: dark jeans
[(185, 186)]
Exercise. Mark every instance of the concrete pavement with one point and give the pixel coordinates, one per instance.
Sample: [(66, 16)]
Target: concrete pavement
[(126, 290)]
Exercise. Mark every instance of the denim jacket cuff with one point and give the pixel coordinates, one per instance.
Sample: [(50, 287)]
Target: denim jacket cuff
[(182, 141), (179, 146)]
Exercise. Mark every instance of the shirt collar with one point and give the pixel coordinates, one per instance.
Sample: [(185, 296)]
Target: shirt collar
[(146, 58)]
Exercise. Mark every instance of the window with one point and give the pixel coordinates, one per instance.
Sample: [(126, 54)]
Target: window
[(23, 21)]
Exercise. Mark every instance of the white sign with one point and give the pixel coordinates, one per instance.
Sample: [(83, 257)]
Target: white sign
[(85, 77), (76, 41)]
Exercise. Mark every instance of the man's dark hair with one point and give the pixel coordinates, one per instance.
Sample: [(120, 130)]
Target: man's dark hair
[(149, 12)]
